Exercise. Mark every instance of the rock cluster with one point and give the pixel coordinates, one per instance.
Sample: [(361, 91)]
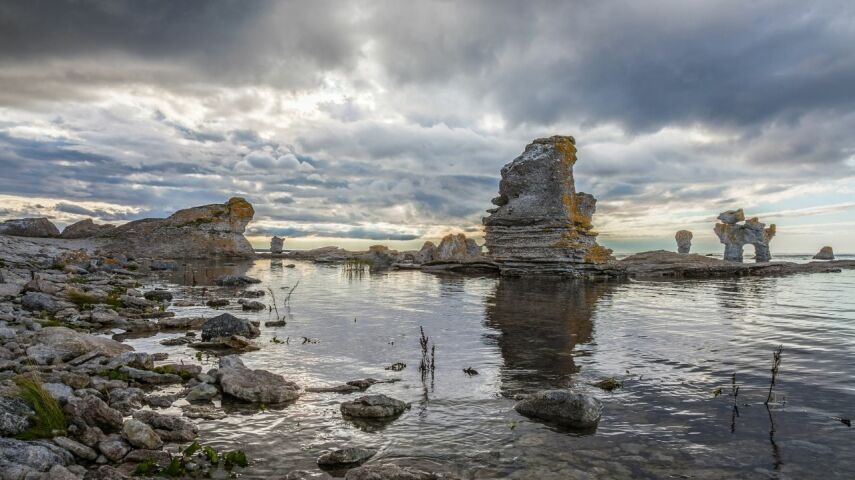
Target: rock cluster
[(825, 253), (85, 229), (684, 241), (735, 232), (276, 244), (198, 232), (29, 227), (541, 224)]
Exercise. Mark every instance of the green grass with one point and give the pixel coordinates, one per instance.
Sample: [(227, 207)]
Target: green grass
[(114, 375), (169, 370), (49, 420), (81, 299), (114, 297), (609, 384)]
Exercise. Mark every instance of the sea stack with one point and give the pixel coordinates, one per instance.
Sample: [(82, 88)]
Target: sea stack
[(276, 244), (825, 253), (541, 225), (684, 241), (734, 235)]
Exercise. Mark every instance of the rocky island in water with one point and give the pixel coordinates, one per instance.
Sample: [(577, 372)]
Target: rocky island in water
[(134, 350)]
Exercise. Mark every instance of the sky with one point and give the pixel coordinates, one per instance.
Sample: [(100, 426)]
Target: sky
[(354, 123)]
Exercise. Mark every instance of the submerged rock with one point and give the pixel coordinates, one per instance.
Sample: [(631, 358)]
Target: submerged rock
[(575, 410), (374, 406), (227, 325), (825, 253), (85, 229), (541, 224), (684, 241), (276, 244), (29, 227), (350, 456), (392, 472), (735, 236), (197, 232), (236, 281)]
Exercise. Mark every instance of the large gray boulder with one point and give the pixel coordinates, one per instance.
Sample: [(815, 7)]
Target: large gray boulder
[(171, 428), (14, 416), (85, 229), (257, 386), (373, 406), (38, 302), (141, 435), (226, 325), (575, 410), (53, 344), (29, 227), (345, 457), (825, 253), (93, 412), (18, 456), (541, 224)]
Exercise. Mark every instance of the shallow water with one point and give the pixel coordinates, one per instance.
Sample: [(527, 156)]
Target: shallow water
[(672, 343)]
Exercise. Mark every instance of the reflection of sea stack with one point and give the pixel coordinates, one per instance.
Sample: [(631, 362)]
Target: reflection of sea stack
[(541, 224), (541, 321)]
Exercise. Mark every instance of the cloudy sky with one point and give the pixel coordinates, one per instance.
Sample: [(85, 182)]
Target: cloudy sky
[(355, 123)]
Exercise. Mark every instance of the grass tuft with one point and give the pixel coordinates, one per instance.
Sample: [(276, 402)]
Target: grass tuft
[(49, 420), (609, 384)]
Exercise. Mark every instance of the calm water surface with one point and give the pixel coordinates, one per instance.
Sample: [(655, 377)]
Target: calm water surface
[(673, 344)]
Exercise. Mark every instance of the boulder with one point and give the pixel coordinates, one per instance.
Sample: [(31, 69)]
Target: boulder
[(38, 302), (203, 392), (29, 227), (141, 435), (541, 225), (825, 253), (92, 411), (85, 229), (14, 416), (199, 232), (226, 325), (252, 305), (276, 244), (158, 295), (18, 456), (236, 281), (78, 449), (392, 472), (257, 386), (575, 410), (114, 447), (684, 241), (52, 344), (171, 428), (346, 457), (735, 236), (373, 406)]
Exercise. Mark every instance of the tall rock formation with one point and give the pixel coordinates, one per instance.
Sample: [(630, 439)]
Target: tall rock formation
[(684, 241), (541, 224), (735, 235), (276, 244), (198, 232)]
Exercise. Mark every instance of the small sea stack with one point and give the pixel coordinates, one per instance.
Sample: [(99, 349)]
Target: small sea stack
[(276, 244), (825, 253), (684, 241), (541, 225)]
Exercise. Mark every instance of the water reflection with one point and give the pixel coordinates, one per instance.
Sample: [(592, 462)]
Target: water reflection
[(204, 273), (540, 322)]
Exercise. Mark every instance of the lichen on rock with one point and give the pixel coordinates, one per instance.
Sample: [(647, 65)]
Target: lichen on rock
[(542, 225), (684, 241), (735, 235)]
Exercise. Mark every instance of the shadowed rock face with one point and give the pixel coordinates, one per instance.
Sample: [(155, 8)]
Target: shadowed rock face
[(198, 232), (735, 236), (29, 227), (541, 224), (86, 229), (684, 241), (825, 253)]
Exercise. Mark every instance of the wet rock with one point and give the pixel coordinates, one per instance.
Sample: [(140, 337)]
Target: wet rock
[(736, 235), (203, 392), (252, 305), (158, 296), (141, 455), (198, 232), (259, 386), (39, 456), (14, 416), (78, 449), (226, 325), (131, 359), (85, 229), (64, 344), (335, 389), (373, 406), (127, 400), (306, 475), (276, 244), (29, 227), (541, 224), (392, 472), (141, 435), (205, 412), (252, 294), (150, 377), (171, 428), (103, 315), (131, 301), (684, 241), (114, 447), (346, 457), (217, 303), (825, 253), (92, 411), (181, 323), (575, 410), (236, 281)]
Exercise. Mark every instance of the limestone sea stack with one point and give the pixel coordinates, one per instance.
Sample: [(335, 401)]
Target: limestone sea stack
[(735, 235), (276, 244), (214, 230), (684, 241), (541, 225), (825, 253)]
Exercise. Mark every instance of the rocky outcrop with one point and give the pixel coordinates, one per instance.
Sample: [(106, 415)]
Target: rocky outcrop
[(29, 227), (226, 325), (276, 244), (684, 241), (664, 264), (86, 229), (198, 232), (735, 235), (541, 224), (575, 410), (256, 386), (457, 247), (825, 253)]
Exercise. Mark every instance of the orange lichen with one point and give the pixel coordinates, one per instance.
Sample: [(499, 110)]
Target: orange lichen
[(598, 254)]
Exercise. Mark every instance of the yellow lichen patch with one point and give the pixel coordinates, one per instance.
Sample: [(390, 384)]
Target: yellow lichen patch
[(241, 208), (598, 254)]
